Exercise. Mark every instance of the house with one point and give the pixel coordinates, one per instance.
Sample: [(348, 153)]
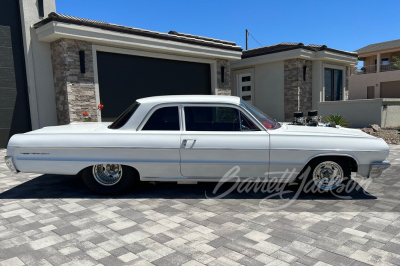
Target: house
[(61, 66), (379, 76), (374, 88), (287, 77)]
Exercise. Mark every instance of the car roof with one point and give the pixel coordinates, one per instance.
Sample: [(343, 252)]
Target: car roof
[(191, 99)]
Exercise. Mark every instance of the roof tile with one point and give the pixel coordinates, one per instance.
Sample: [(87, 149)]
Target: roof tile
[(172, 35)]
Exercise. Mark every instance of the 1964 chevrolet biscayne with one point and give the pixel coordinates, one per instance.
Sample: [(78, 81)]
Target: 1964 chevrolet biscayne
[(195, 138)]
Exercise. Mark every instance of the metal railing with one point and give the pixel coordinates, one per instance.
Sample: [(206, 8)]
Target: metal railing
[(393, 66), (363, 70)]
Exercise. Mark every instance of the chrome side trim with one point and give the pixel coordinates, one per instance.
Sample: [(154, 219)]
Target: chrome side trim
[(333, 150), (10, 164), (116, 147), (377, 169)]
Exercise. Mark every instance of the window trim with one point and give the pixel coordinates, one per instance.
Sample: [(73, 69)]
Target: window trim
[(237, 107), (155, 108)]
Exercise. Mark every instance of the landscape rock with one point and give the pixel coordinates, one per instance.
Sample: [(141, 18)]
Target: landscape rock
[(375, 127)]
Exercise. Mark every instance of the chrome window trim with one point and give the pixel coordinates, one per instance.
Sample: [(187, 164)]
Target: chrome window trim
[(155, 108), (237, 107)]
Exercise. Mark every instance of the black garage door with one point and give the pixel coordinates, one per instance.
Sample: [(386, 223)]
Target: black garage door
[(14, 104), (125, 78)]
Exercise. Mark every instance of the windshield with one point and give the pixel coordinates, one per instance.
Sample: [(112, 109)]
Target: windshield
[(267, 121), (124, 117)]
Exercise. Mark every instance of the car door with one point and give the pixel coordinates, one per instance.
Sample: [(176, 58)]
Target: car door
[(159, 139), (217, 138)]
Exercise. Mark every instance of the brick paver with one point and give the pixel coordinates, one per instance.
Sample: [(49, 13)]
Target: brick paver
[(55, 220)]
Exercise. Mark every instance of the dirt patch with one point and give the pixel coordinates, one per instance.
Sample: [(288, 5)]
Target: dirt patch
[(390, 135)]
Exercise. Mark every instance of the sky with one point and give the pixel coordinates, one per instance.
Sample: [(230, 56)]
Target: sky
[(345, 25)]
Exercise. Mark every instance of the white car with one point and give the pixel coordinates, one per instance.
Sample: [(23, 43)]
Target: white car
[(195, 138)]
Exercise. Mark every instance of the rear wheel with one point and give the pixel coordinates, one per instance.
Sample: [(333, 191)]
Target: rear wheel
[(328, 175), (109, 179)]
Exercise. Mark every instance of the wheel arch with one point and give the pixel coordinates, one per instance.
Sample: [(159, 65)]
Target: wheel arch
[(351, 160), (127, 165)]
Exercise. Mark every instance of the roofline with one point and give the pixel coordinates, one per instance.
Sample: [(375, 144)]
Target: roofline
[(379, 51), (301, 53), (191, 99), (116, 28), (299, 47)]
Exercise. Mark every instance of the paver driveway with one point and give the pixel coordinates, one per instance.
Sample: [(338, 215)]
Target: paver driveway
[(54, 220)]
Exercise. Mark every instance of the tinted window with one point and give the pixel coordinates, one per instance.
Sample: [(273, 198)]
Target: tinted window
[(204, 118), (246, 124), (124, 117), (268, 122), (166, 118)]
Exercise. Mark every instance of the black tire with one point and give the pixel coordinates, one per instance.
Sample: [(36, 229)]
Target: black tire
[(310, 186), (129, 177)]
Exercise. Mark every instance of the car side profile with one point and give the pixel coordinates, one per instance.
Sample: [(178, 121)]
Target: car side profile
[(195, 138)]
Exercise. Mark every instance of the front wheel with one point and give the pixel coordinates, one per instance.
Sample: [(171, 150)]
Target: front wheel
[(109, 179), (328, 175)]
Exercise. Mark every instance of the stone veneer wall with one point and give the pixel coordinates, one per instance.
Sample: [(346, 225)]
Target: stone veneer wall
[(293, 80), (75, 91), (223, 88)]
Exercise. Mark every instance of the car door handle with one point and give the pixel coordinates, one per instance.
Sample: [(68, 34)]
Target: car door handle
[(188, 143)]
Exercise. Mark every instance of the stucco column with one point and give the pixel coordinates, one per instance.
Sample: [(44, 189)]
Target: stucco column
[(378, 63)]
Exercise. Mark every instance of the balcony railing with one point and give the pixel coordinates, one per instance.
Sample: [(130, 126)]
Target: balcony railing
[(393, 66), (363, 70)]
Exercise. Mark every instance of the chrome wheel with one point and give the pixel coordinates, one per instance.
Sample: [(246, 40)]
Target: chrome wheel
[(107, 174), (328, 175)]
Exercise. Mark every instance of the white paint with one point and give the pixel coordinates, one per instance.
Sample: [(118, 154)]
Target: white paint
[(55, 30), (238, 80), (38, 66), (159, 154)]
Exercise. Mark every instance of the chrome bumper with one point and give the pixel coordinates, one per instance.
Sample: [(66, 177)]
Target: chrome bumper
[(377, 169), (10, 164)]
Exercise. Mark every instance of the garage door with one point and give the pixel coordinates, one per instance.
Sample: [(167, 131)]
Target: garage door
[(14, 104), (390, 89), (125, 78)]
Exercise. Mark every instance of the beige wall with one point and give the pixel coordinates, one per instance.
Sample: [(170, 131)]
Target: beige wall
[(38, 66), (358, 83), (361, 113), (317, 83), (370, 60), (269, 89)]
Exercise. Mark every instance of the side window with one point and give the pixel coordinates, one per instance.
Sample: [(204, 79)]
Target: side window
[(165, 118), (246, 124), (203, 118)]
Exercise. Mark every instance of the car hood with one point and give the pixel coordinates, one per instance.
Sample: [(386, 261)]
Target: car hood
[(84, 127), (322, 131)]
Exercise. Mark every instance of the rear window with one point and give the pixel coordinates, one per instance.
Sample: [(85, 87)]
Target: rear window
[(124, 117)]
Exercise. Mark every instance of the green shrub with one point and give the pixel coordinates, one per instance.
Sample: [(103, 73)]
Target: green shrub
[(338, 119)]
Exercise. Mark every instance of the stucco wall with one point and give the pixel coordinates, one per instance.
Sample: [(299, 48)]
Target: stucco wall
[(358, 83), (361, 113), (268, 89), (38, 66)]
